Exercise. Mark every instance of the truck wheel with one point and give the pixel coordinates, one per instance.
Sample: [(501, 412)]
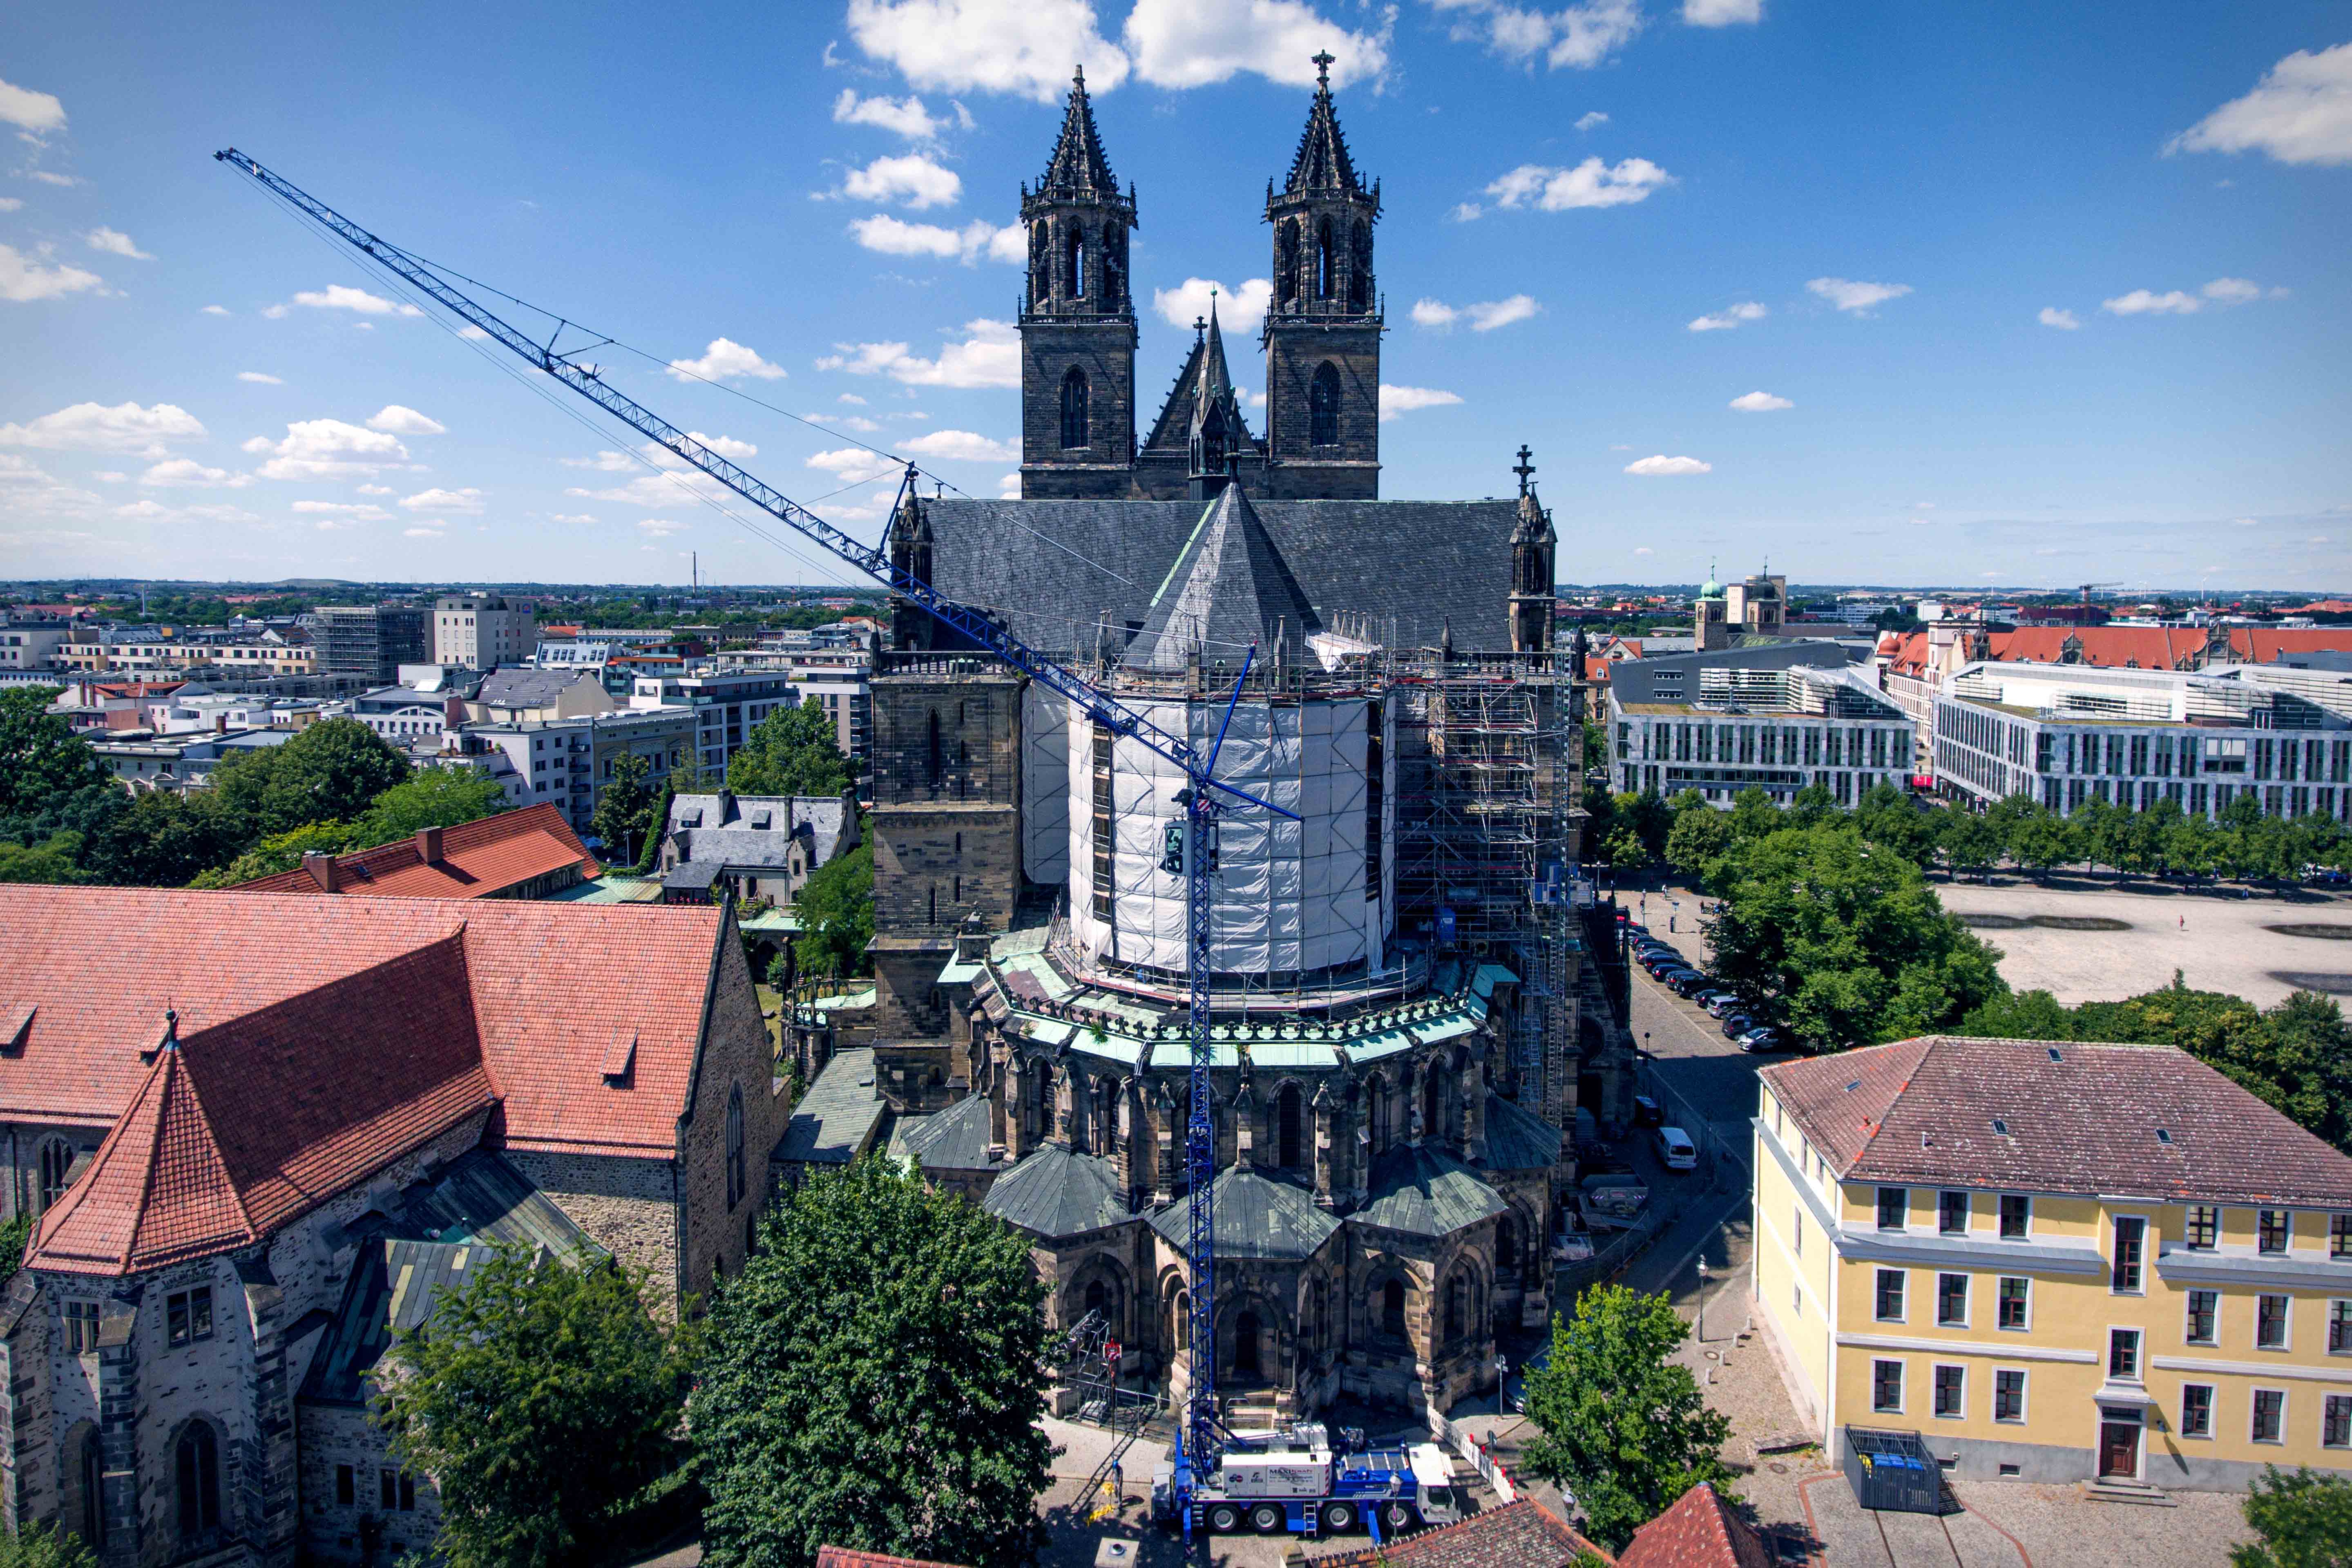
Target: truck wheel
[(1224, 1518), (1339, 1518), (1396, 1518), (1267, 1518)]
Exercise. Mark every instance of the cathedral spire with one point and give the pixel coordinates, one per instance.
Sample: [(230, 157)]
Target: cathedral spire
[(1077, 168), (1322, 166)]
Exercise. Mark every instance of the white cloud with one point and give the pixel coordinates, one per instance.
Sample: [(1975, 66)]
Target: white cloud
[(1195, 42), (604, 463), (723, 360), (23, 280), (115, 243), (990, 356), (902, 117), (658, 492), (145, 511), (1643, 549), (472, 335), (858, 423), (1434, 313), (438, 500), (1021, 46), (1587, 122), (1008, 488), (399, 420), (1402, 400), (1577, 35), (961, 447), (1663, 467), (854, 465), (420, 532), (341, 508), (2232, 290), (1591, 183), (1239, 310), (342, 297), (660, 527), (10, 204), (375, 489), (47, 178), (327, 449), (571, 518), (216, 310), (2065, 321), (259, 378), (1760, 403), (725, 446), (2300, 113), (912, 179), (2145, 302), (1727, 319), (851, 397), (974, 240), (1722, 13), (111, 477), (93, 427), (186, 473), (36, 113), (1848, 295), (1484, 317)]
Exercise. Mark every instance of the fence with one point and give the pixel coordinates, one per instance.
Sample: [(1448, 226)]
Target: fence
[(1474, 1448)]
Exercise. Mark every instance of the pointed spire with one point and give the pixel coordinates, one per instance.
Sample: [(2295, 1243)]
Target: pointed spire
[(1077, 166), (1322, 163)]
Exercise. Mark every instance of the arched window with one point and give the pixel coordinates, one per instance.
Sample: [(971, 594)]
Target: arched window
[(1359, 269), (1457, 1305), (1324, 275), (1107, 1117), (1245, 1338), (1377, 1094), (1074, 409), (1506, 1242), (1323, 407), (1286, 262), (93, 1492), (1041, 262), (1076, 275), (1319, 1314), (1289, 1135), (737, 1182), (1432, 1100), (1183, 1336), (1392, 1309), (1098, 1299), (196, 1468)]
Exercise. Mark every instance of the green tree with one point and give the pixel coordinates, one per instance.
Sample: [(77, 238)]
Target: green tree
[(874, 1380), (1890, 818), (542, 1399), (2301, 1520), (1811, 805), (38, 1545), (2006, 815), (656, 824), (56, 858), (1755, 813), (837, 913), (793, 751), (432, 797), (163, 839), (621, 809), (1622, 1426), (331, 772), (1700, 835), (1647, 811), (2019, 1015), (2039, 839), (1968, 842), (1624, 849), (2101, 830), (15, 1237), (280, 852), (50, 781)]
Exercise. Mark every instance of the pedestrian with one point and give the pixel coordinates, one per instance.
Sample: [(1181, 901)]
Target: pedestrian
[(2184, 922)]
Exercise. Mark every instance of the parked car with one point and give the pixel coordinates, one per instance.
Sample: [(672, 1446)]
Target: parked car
[(1688, 983), (1766, 1039), (1715, 1002), (1676, 1150), (1648, 1112), (1736, 1025)]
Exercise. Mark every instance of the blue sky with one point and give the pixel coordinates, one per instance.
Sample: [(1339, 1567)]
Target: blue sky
[(2028, 295)]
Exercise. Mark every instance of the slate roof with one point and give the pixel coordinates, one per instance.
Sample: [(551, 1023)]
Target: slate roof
[(1322, 163), (1229, 588), (956, 1139), (1053, 1192), (1048, 568), (834, 1121), (1077, 166), (1698, 1532), (1523, 1534), (1256, 1216), (521, 687), (1518, 1139), (478, 859), (2080, 1119), (1423, 1191), (758, 830)]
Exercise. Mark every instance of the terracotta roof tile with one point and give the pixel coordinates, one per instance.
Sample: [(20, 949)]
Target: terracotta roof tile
[(843, 1557), (1523, 1534), (1698, 1532), (478, 859)]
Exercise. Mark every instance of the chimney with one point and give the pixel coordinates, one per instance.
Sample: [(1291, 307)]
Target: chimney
[(321, 867), (428, 846)]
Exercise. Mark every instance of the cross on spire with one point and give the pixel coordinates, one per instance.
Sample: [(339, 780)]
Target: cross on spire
[(1323, 61), (1525, 470)]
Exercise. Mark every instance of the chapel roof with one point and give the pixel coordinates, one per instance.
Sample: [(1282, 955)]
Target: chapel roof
[(1230, 588)]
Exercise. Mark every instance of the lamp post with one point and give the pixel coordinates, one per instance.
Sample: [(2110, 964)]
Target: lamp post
[(1702, 1300)]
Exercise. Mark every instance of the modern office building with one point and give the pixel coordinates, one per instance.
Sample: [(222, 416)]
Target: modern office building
[(1775, 717), (483, 631), (728, 705), (569, 762), (368, 643)]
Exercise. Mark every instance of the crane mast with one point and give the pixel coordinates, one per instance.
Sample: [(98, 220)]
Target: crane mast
[(1200, 1433)]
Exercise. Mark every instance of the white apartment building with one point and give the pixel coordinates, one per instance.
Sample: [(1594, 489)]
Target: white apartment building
[(483, 631), (1710, 723), (570, 761), (30, 645), (730, 704)]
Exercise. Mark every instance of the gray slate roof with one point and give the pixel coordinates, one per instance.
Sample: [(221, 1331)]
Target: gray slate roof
[(956, 1139), (758, 830), (1256, 1216), (1054, 1193), (834, 1121), (1518, 1139), (1425, 1192), (1229, 588), (521, 687), (1048, 568)]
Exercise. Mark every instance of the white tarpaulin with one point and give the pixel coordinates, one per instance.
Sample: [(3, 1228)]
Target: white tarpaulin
[(1044, 783)]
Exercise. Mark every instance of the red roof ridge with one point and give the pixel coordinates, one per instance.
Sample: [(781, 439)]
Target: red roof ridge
[(476, 840), (1699, 1531)]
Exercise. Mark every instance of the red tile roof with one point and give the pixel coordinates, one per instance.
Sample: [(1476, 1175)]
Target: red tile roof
[(2080, 1119), (551, 983), (243, 1126), (478, 859), (843, 1557), (1699, 1532), (2117, 647), (1523, 1534)]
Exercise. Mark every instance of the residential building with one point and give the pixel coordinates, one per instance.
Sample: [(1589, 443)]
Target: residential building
[(30, 643), (728, 707), (527, 854), (402, 714), (2056, 1262), (755, 845), (371, 642), (569, 762), (183, 761), (1776, 718), (483, 631), (839, 675), (529, 696), (2063, 734)]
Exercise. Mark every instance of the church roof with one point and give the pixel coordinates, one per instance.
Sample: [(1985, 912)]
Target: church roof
[(1322, 166), (1423, 1190), (1229, 588), (1077, 167), (1518, 1139), (1172, 431), (1256, 1217), (1055, 1193), (956, 1139)]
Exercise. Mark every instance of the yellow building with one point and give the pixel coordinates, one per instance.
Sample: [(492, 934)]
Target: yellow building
[(2055, 1262)]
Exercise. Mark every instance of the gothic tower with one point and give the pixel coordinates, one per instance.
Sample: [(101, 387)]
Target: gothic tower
[(1533, 548), (1077, 322), (1322, 333)]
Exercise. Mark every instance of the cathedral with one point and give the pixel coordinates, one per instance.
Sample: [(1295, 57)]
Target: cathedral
[(1417, 1008)]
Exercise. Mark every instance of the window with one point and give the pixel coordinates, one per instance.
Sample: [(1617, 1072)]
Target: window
[(2270, 1322), (388, 1489), (2272, 1229), (2270, 1415), (2009, 1395), (1796, 1213), (2203, 1229), (188, 1316), (1393, 1310), (2339, 1236), (1890, 1295), (2336, 1421), (196, 1469), (81, 1327), (1886, 1386), (57, 1162), (2197, 1410), (1952, 1300), (1323, 407), (2204, 1313), (1894, 1203), (736, 1181), (2131, 1236), (2339, 1328), (346, 1486), (2123, 1355), (1074, 409), (1951, 1383), (2016, 1217), (1952, 1214), (2014, 1300)]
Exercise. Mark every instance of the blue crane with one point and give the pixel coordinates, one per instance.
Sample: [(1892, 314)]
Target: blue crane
[(1201, 1434)]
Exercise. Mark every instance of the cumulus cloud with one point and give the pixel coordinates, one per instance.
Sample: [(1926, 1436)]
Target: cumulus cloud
[(904, 117), (725, 446), (912, 179), (856, 422), (341, 508), (2147, 302), (1663, 467), (1577, 37), (342, 297), (2232, 290), (327, 449), (725, 360), (440, 500), (421, 533), (114, 242), (1722, 13), (398, 419), (187, 473), (1401, 400), (1484, 317), (216, 310), (1760, 403), (1008, 487), (375, 489), (2052, 316), (1591, 183), (25, 278), (1726, 320), (961, 447), (1025, 47), (94, 427), (1239, 310), (974, 240), (1195, 42), (1848, 295), (10, 204), (854, 465), (2300, 113), (660, 527), (472, 335), (989, 355), (35, 114), (1587, 122), (259, 378)]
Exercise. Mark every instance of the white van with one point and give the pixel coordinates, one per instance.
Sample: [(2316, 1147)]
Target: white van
[(1675, 1147)]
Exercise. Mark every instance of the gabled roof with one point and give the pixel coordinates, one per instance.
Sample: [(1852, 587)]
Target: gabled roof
[(956, 1139), (1172, 431), (1518, 1139), (2079, 1119), (1077, 166), (1522, 1534), (1256, 1216), (478, 859), (1228, 589), (835, 1121), (1423, 1190), (1322, 164), (517, 687), (1698, 1532), (1055, 1193)]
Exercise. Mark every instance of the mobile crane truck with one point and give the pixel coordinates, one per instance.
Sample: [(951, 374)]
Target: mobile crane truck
[(1293, 1480)]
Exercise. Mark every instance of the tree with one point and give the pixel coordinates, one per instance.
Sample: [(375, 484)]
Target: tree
[(2301, 1520), (837, 913), (792, 751), (2019, 1015), (1624, 1427), (1811, 805), (37, 1545), (1754, 814), (874, 1380), (432, 797), (1969, 842), (280, 852), (163, 839), (1624, 849), (541, 1398), (15, 1237), (1890, 818), (1699, 835), (1647, 811), (57, 859), (2100, 829), (331, 772), (2040, 838), (50, 781), (656, 825), (621, 809)]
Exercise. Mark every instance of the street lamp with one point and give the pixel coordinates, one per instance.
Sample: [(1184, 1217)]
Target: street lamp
[(1702, 1300)]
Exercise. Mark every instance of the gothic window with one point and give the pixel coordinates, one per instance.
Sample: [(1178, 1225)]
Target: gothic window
[(736, 1183), (1098, 1299), (1378, 1094), (1285, 263), (56, 1161), (1208, 451), (1392, 1309), (1114, 289), (1183, 1336), (1360, 272), (1323, 274), (936, 758), (1245, 1338), (1107, 1118), (1289, 1138), (1457, 1305), (1041, 266), (1077, 263), (1507, 1244), (1041, 1106), (93, 1492), (196, 1465), (1323, 407), (1318, 1313), (1431, 1102), (1074, 408)]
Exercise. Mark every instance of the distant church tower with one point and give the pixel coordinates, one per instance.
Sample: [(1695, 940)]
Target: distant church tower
[(1077, 320), (1533, 551), (1322, 333)]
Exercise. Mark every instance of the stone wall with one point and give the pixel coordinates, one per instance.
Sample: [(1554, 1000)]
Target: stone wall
[(1296, 348), (629, 1207), (1104, 350), (340, 1446)]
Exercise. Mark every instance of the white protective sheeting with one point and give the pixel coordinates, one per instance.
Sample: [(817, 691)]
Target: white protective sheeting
[(1044, 783), (1290, 896)]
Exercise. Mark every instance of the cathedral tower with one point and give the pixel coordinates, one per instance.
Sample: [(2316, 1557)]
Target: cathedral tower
[(1322, 333), (1077, 322), (1533, 551)]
